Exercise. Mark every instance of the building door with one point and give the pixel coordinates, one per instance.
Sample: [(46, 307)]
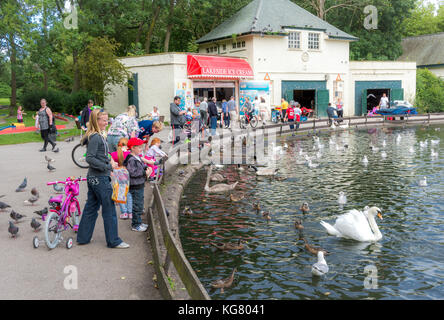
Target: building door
[(396, 94), (322, 100), (368, 94), (133, 91)]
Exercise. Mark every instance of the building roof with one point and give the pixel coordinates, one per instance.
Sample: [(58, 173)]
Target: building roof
[(272, 16), (426, 50)]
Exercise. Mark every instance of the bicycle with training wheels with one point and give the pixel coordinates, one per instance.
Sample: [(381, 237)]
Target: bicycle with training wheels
[(246, 120), (64, 214)]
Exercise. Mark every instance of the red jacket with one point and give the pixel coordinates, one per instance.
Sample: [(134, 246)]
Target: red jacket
[(290, 113)]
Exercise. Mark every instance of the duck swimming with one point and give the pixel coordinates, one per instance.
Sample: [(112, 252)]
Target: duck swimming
[(224, 283)]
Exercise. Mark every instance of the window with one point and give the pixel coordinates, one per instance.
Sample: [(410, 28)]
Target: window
[(216, 49), (234, 45), (313, 41), (294, 40), (243, 44), (224, 47), (208, 50)]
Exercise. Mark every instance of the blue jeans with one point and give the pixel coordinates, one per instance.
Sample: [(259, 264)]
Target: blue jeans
[(291, 125), (213, 125), (112, 142), (99, 194), (138, 202), (227, 119), (128, 206)]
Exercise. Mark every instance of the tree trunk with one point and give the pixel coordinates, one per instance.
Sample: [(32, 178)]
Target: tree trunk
[(75, 59), (166, 45), (45, 81), (151, 29), (139, 31), (13, 102), (321, 12)]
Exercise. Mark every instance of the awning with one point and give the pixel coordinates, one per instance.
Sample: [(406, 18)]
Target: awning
[(211, 67)]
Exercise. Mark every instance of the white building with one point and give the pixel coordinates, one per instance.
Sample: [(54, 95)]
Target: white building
[(290, 54)]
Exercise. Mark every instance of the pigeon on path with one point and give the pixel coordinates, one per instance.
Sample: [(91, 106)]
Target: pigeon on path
[(16, 216), (35, 225), (22, 186), (50, 167), (42, 212), (48, 159), (35, 196), (3, 206), (13, 230)]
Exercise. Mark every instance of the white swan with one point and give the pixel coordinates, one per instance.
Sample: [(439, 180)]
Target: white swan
[(320, 268), (218, 188), (356, 225), (265, 171), (342, 198)]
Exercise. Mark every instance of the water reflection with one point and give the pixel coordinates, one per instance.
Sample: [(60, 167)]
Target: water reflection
[(274, 264)]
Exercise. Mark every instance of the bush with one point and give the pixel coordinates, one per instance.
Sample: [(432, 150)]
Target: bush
[(5, 90), (429, 92), (58, 101)]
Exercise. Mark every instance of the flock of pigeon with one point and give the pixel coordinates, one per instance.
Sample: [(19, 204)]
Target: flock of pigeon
[(17, 217)]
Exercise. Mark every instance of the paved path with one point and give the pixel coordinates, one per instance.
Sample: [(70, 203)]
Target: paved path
[(28, 273)]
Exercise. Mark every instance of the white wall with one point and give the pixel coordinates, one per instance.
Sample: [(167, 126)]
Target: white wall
[(438, 71), (384, 71)]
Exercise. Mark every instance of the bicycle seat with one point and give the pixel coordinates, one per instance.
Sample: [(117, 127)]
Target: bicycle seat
[(57, 199)]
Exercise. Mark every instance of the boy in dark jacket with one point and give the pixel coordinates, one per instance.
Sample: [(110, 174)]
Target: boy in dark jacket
[(138, 172)]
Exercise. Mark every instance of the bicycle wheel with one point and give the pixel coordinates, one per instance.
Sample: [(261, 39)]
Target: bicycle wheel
[(253, 122), (242, 122), (52, 232), (79, 156)]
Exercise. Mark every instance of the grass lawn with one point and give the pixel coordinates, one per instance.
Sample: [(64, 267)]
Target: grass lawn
[(4, 101), (26, 137)]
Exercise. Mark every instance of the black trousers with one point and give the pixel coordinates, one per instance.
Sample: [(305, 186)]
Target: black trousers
[(46, 138)]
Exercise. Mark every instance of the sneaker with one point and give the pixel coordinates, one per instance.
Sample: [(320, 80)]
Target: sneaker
[(42, 150), (56, 150), (124, 216), (130, 215), (122, 245), (139, 228)]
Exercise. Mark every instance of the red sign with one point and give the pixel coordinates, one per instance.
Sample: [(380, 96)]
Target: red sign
[(218, 67)]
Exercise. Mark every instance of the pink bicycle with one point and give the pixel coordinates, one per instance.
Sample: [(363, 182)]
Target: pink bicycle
[(64, 214)]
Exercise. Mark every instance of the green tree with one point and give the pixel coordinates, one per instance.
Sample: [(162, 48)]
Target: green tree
[(429, 92), (422, 21), (100, 68)]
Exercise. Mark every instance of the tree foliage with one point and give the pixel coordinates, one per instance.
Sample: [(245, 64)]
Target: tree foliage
[(429, 92)]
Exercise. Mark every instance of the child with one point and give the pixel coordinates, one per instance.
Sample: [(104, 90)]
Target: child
[(138, 172), (155, 114), (119, 156), (20, 114)]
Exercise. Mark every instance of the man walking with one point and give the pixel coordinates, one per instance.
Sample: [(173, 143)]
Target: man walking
[(232, 110), (212, 112), (203, 108), (177, 116)]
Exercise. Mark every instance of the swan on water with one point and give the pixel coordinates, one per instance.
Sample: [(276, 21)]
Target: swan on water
[(265, 171), (218, 188), (356, 225), (320, 268)]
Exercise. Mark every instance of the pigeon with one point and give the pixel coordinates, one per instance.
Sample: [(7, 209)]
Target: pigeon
[(48, 159), (69, 139), (42, 212), (13, 230), (3, 206), (2, 196), (57, 188), (50, 168), (35, 225), (22, 186), (16, 216), (34, 198)]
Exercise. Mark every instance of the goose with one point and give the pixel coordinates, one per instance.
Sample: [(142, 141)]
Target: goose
[(313, 250), (342, 199), (265, 171), (229, 246), (365, 161), (305, 208), (423, 182), (218, 188), (224, 283), (217, 177), (237, 197), (356, 225), (187, 211), (320, 268), (433, 153)]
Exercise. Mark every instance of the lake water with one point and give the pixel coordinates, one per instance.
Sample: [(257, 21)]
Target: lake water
[(408, 263)]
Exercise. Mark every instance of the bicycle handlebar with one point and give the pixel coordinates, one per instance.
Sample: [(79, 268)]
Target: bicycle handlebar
[(64, 182)]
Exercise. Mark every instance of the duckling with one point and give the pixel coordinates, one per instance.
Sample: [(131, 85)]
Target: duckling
[(224, 283), (313, 250), (298, 225), (266, 215), (187, 211), (237, 197), (257, 206), (305, 208), (229, 246)]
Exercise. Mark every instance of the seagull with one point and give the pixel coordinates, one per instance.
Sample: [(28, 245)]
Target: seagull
[(50, 168), (423, 182), (383, 154), (384, 144), (412, 150), (35, 225), (285, 146), (433, 153), (320, 268), (3, 206), (48, 159), (13, 230), (435, 141), (16, 216), (342, 199), (22, 186), (312, 165), (374, 149), (365, 161), (398, 138)]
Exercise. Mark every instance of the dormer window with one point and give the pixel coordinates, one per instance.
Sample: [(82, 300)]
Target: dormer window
[(313, 41), (294, 40)]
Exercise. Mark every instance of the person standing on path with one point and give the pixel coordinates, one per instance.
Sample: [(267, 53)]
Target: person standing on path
[(226, 113), (84, 118), (177, 117), (47, 126), (99, 185), (284, 106), (232, 110), (212, 112), (124, 126), (340, 109), (204, 111), (263, 111)]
